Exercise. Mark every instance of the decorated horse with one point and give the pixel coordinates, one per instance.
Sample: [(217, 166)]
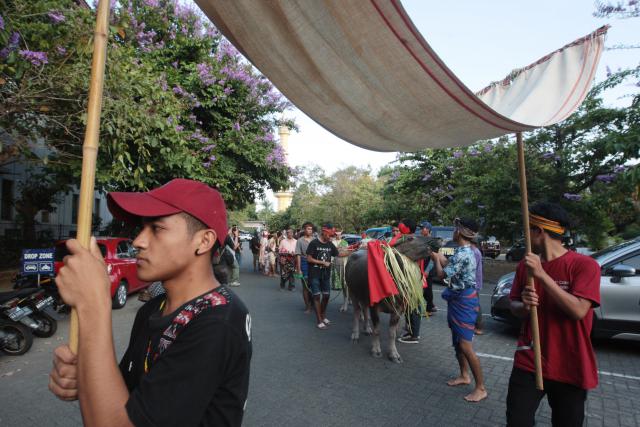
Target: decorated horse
[(387, 279)]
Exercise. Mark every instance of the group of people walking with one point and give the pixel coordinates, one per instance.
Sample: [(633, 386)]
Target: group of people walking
[(566, 284), (317, 259)]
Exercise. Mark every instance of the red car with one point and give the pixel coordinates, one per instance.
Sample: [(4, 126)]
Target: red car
[(120, 257)]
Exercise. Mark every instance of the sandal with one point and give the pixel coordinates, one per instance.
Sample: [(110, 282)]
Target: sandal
[(321, 326)]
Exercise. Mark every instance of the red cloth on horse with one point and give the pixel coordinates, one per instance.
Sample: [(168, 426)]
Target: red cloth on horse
[(381, 284)]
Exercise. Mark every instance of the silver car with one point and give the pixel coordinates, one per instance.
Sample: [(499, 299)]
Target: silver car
[(619, 313)]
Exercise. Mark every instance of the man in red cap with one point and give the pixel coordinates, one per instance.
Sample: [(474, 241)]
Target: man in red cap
[(189, 353)]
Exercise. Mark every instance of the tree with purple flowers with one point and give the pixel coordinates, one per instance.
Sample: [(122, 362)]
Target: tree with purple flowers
[(179, 100)]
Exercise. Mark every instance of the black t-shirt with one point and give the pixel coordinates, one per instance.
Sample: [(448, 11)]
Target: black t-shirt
[(202, 377), (255, 244), (321, 252)]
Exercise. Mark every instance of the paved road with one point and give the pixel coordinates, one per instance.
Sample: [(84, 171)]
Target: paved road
[(302, 376)]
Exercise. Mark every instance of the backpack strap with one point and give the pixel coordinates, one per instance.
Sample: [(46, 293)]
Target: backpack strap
[(217, 297)]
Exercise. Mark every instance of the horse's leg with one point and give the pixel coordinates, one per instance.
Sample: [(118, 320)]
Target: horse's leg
[(375, 338), (355, 330), (394, 321)]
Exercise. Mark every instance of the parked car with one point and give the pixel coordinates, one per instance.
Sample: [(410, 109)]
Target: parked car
[(619, 313), (245, 236), (490, 247), (353, 240), (516, 251), (445, 235), (120, 258), (379, 233)]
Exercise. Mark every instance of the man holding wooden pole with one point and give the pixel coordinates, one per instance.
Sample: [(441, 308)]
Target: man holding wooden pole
[(189, 354), (567, 287)]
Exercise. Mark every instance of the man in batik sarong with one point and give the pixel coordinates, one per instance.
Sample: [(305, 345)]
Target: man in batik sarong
[(302, 266), (287, 254), (462, 305)]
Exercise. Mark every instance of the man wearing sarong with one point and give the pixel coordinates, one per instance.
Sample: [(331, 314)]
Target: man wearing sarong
[(302, 267), (287, 256), (462, 305), (339, 263)]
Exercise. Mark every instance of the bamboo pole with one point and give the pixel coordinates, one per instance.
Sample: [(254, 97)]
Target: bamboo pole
[(90, 146), (524, 201)]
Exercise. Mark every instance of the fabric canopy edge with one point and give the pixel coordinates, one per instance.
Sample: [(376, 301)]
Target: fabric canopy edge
[(516, 72)]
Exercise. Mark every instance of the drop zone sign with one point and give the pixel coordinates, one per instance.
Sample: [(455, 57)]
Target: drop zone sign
[(37, 261)]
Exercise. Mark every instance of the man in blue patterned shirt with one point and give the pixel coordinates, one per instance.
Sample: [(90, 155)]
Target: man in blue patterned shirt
[(462, 305)]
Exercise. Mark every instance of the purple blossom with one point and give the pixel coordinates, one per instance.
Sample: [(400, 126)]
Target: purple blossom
[(480, 206), (268, 137), (199, 137), (56, 16), (606, 178), (608, 71), (35, 58), (211, 31), (394, 176), (277, 156), (457, 154), (1, 23), (474, 153), (208, 163), (426, 177), (450, 187), (488, 148), (549, 155), (192, 117), (179, 128), (450, 197), (204, 73), (170, 120), (179, 91), (228, 91), (151, 3), (451, 168), (572, 197), (174, 64), (619, 169), (61, 50), (209, 148), (236, 126), (163, 83), (145, 38), (14, 40)]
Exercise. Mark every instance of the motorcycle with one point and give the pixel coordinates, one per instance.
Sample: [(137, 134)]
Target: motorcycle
[(31, 307), (47, 283), (15, 338)]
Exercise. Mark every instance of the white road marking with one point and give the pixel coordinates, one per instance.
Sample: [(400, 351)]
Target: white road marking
[(493, 356), (611, 374)]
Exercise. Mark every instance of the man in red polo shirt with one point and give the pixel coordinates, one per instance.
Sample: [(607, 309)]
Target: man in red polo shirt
[(567, 287)]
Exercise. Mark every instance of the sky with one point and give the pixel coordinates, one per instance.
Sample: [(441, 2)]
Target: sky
[(481, 42)]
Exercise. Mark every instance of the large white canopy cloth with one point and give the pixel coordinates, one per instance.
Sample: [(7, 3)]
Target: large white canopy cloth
[(361, 69)]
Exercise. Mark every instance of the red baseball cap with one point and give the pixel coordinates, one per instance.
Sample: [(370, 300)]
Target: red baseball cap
[(178, 195)]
